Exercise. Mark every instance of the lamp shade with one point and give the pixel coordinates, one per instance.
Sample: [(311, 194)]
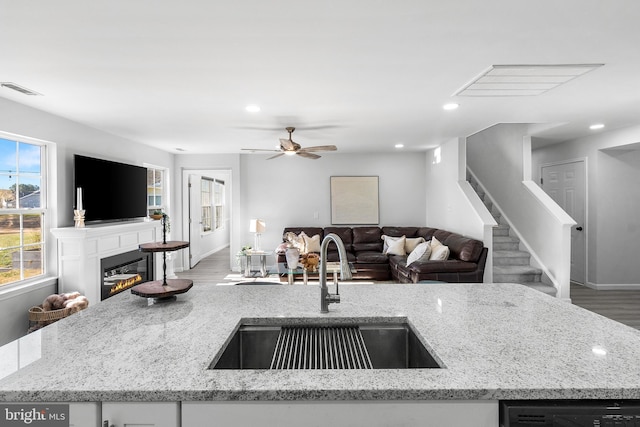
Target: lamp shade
[(257, 226)]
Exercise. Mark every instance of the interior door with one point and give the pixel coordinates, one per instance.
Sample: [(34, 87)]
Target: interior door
[(566, 184), (195, 220)]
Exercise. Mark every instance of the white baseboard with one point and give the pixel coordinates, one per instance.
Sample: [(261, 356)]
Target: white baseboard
[(613, 286)]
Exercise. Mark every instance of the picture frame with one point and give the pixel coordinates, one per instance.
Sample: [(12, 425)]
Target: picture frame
[(355, 200)]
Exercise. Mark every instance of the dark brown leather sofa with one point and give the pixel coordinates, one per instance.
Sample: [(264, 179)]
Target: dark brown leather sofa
[(364, 249)]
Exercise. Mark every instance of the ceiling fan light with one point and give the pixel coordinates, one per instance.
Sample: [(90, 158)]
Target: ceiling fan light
[(290, 153)]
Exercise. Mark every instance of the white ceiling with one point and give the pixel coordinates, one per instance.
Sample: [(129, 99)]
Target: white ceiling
[(367, 73)]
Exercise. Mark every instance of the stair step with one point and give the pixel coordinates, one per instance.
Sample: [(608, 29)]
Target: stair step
[(542, 287), (505, 243), (505, 258), (501, 230), (516, 274)]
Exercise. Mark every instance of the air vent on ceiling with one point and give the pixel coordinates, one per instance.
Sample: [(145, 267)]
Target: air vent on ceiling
[(19, 88), (523, 80)]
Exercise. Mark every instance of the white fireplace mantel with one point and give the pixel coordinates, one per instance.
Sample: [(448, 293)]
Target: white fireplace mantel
[(81, 249)]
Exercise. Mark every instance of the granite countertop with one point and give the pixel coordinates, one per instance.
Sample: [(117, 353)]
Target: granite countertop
[(497, 341)]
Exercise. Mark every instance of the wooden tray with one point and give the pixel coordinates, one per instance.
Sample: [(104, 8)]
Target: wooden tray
[(157, 289)]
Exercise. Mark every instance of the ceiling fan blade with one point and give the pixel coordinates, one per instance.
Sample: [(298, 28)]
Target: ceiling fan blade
[(286, 144), (259, 149), (277, 155), (307, 155), (320, 148)]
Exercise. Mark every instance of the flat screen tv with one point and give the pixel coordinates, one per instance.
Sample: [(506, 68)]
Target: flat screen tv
[(111, 191)]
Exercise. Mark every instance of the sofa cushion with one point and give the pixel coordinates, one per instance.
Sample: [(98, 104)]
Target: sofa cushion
[(451, 265), (309, 231), (464, 248), (411, 243), (345, 234), (399, 231), (333, 256), (367, 239), (371, 257), (426, 232)]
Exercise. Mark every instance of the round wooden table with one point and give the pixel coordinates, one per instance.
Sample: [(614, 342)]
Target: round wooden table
[(164, 289)]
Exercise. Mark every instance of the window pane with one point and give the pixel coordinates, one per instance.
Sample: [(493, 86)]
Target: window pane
[(32, 261), (32, 228), (29, 192), (7, 191), (29, 158), (9, 272), (8, 155)]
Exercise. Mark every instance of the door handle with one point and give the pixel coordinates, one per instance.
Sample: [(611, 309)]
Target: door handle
[(579, 228)]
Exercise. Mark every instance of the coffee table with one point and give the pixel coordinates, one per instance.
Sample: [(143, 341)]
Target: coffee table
[(332, 268)]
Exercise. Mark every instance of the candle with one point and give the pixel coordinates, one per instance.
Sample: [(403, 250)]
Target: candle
[(79, 199)]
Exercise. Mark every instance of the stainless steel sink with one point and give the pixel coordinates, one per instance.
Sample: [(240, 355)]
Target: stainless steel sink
[(324, 346)]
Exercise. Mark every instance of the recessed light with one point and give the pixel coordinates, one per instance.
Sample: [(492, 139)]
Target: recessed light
[(596, 126), (252, 108), (450, 106), (399, 145)]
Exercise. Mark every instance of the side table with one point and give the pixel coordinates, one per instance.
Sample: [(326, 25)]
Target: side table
[(263, 262)]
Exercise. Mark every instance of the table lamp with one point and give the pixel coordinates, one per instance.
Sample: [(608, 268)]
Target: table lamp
[(257, 226)]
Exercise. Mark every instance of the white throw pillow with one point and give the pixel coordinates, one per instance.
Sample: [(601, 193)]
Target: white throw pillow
[(396, 247), (387, 241), (439, 252), (421, 252), (311, 244), (411, 243)]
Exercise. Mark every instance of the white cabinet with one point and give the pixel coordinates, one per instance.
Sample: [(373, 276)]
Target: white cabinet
[(433, 413), (141, 414), (84, 414)]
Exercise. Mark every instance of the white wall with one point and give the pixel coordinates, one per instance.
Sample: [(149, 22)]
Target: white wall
[(69, 138), (500, 157), (451, 203), (296, 191), (613, 202)]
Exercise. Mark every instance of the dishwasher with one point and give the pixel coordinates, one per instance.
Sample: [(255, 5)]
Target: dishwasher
[(570, 413)]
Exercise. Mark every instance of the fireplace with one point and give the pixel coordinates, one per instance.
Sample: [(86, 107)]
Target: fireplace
[(123, 271)]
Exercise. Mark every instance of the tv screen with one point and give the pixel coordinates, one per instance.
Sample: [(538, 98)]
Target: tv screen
[(110, 190)]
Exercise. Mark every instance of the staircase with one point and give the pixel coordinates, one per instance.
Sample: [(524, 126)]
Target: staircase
[(510, 263)]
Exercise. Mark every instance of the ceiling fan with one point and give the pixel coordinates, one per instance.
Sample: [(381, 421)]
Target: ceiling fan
[(289, 147)]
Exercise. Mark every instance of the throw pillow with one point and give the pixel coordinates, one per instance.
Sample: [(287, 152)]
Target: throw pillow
[(387, 241), (439, 252), (422, 252), (396, 247), (311, 244), (411, 243), (296, 241)]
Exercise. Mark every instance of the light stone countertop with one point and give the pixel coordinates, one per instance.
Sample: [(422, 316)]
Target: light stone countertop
[(497, 341)]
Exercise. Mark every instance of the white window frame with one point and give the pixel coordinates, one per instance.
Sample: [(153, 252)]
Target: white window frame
[(164, 206), (218, 204), (48, 217), (207, 220)]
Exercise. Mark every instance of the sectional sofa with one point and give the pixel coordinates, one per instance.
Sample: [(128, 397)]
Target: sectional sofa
[(364, 245)]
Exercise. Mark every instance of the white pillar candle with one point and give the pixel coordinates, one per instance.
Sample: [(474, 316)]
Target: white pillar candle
[(79, 199)]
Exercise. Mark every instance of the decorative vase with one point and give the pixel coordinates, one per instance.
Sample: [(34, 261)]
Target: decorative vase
[(292, 255)]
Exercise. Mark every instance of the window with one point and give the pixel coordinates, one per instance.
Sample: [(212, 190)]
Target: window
[(212, 202), (155, 190), (206, 188), (22, 210), (218, 200)]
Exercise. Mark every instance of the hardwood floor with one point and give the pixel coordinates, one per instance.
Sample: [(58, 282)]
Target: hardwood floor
[(621, 306)]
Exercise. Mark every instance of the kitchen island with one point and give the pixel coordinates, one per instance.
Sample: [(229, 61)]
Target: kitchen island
[(493, 341)]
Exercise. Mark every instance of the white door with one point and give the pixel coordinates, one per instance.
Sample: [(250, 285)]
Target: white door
[(566, 184), (141, 414), (195, 220)]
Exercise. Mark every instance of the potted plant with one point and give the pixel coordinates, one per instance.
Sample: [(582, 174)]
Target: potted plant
[(157, 214)]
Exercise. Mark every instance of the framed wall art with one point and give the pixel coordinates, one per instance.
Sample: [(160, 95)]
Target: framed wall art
[(354, 200)]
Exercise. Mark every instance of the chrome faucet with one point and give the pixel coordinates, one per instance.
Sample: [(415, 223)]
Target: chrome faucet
[(327, 298)]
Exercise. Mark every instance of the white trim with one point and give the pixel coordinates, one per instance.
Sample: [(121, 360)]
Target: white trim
[(26, 286), (613, 286)]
